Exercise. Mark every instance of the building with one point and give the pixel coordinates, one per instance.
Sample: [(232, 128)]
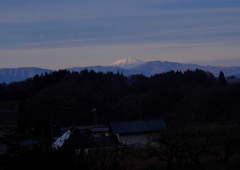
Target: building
[(74, 139), (137, 132), (118, 134)]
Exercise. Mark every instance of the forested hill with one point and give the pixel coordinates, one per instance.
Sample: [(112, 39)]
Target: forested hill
[(149, 68), (68, 98)]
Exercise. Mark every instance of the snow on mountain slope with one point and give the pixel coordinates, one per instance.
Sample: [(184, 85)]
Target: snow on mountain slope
[(128, 63)]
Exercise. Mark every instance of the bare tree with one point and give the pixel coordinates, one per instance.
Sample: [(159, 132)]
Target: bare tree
[(226, 143), (167, 147)]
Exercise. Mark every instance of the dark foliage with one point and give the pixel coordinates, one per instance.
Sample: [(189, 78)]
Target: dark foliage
[(221, 79), (68, 98)]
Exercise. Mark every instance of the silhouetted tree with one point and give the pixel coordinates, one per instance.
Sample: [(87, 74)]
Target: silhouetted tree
[(221, 79), (3, 91)]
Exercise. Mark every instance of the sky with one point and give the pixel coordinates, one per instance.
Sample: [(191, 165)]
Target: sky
[(58, 34)]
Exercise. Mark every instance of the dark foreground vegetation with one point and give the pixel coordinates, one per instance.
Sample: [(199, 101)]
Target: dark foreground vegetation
[(201, 113), (198, 148)]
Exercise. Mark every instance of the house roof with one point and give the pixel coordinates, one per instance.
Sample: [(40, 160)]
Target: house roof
[(28, 142), (60, 141), (73, 139), (138, 126)]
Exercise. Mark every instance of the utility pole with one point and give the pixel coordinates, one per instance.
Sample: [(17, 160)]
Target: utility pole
[(51, 127), (95, 119)]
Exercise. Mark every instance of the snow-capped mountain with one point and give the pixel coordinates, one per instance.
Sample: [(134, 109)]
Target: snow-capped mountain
[(128, 63), (127, 67)]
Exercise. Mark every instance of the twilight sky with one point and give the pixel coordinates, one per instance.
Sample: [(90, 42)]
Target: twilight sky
[(58, 34)]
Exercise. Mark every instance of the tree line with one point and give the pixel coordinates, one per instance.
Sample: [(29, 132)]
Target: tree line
[(68, 98)]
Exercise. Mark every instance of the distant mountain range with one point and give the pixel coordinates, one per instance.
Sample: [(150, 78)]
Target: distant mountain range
[(8, 75), (127, 67)]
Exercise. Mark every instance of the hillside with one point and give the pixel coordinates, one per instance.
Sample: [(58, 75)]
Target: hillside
[(8, 75), (154, 67), (127, 67), (68, 98)]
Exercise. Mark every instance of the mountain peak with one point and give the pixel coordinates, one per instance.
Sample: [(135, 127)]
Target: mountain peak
[(128, 63)]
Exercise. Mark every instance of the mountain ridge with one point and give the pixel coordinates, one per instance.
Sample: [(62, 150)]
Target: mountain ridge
[(8, 75), (149, 68)]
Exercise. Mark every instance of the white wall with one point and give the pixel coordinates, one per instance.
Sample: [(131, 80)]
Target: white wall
[(135, 138)]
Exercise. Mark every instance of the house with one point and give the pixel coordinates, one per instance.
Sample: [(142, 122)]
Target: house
[(137, 132), (74, 139), (119, 134), (13, 144)]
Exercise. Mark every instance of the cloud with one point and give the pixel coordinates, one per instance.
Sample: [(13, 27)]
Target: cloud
[(62, 10), (172, 25), (58, 58)]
